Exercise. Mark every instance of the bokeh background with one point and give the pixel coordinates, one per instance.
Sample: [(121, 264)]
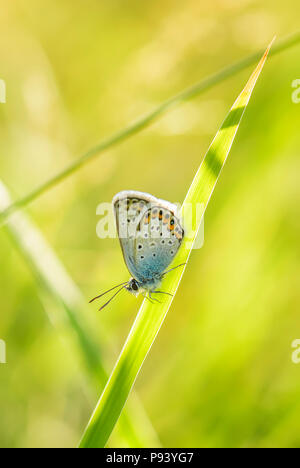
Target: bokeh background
[(220, 373)]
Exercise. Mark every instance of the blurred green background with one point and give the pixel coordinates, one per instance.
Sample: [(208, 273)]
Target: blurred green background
[(220, 373)]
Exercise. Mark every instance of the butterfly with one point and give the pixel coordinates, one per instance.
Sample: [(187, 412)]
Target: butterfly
[(150, 234)]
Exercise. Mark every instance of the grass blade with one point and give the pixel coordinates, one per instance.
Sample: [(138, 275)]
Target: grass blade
[(147, 120), (135, 427), (151, 316)]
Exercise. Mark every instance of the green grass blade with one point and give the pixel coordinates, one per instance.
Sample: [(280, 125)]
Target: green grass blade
[(151, 316), (147, 120), (135, 428)]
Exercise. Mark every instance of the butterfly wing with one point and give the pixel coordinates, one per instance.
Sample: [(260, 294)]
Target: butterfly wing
[(129, 207), (158, 239), (150, 233)]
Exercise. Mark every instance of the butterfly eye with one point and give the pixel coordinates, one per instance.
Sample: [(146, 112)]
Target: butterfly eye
[(134, 286)]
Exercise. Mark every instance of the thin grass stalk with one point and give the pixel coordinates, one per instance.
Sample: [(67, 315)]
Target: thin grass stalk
[(69, 314), (147, 120)]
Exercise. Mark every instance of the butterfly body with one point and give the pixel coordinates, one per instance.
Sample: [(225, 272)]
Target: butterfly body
[(139, 287), (150, 235)]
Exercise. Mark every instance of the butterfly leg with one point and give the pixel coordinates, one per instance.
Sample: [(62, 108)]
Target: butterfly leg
[(162, 292), (152, 298), (181, 264), (148, 298)]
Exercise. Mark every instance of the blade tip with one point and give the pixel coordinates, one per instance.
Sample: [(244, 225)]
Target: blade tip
[(270, 45)]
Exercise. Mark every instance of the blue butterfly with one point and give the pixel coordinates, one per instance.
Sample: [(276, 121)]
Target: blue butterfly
[(150, 235)]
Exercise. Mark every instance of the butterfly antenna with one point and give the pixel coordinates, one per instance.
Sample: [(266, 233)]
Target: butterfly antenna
[(114, 295), (181, 264), (111, 289)]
